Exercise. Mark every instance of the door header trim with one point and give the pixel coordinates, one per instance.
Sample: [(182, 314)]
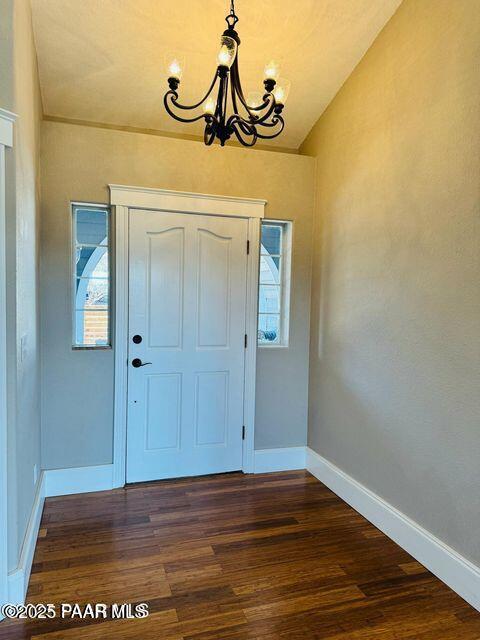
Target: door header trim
[(185, 202)]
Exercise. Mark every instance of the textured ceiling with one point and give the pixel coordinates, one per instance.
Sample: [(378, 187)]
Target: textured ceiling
[(103, 60)]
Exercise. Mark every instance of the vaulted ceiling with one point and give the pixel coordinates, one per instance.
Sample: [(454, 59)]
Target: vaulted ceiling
[(103, 61)]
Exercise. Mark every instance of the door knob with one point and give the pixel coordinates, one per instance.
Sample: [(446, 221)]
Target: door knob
[(136, 362)]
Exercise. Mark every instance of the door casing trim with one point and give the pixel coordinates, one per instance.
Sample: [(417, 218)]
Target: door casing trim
[(125, 198)]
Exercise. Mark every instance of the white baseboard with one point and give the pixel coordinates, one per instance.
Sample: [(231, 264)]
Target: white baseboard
[(285, 459), (456, 571), (63, 482), (53, 482), (19, 577)]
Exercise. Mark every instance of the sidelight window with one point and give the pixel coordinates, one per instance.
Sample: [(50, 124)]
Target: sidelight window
[(274, 283), (91, 276)]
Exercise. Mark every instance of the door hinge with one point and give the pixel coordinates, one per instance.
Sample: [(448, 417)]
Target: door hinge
[(243, 432), (248, 247), (246, 340)]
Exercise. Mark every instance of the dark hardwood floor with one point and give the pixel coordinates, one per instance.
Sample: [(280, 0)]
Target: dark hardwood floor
[(233, 557)]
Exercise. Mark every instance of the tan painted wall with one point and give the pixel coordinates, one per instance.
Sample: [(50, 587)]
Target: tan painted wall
[(6, 54), (395, 346), (77, 164), (22, 237)]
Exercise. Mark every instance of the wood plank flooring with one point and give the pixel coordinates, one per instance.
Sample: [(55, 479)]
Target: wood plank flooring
[(233, 557)]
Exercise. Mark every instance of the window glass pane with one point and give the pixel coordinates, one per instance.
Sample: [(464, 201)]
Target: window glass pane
[(92, 327), (268, 328), (92, 293), (269, 299), (91, 277), (271, 239), (269, 270), (91, 225), (274, 283), (92, 262)]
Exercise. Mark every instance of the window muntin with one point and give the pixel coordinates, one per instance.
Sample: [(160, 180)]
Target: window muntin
[(274, 285), (91, 276)]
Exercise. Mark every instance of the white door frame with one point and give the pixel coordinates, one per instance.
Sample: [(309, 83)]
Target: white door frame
[(125, 198), (6, 140)]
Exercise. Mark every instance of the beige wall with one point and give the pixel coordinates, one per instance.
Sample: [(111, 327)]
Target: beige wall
[(6, 54), (22, 271), (395, 346), (77, 164)]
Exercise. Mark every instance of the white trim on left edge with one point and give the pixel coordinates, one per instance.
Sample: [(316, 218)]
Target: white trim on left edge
[(19, 577), (64, 482), (7, 120), (283, 459), (456, 571)]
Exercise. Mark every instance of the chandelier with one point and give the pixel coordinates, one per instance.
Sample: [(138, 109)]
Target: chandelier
[(255, 117)]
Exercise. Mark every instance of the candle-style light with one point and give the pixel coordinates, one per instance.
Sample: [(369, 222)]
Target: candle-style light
[(281, 90)]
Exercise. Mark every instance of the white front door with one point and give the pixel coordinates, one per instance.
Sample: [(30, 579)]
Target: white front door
[(187, 297)]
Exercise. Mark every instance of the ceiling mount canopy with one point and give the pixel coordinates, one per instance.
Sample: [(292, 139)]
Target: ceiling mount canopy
[(258, 116)]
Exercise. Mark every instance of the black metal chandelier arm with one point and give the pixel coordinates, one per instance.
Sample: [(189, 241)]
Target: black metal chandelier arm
[(262, 106), (255, 118), (259, 114), (173, 95), (277, 119), (233, 93), (273, 122), (268, 102), (238, 126), (244, 126), (238, 91), (187, 107), (210, 130), (263, 118)]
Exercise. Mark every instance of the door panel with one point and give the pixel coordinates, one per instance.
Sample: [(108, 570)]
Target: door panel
[(187, 296), (211, 398), (163, 410), (165, 287), (213, 289)]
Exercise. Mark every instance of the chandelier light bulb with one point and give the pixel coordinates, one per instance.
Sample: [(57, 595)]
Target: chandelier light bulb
[(223, 56), (271, 71), (228, 51), (281, 91), (175, 69), (209, 107), (175, 65)]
